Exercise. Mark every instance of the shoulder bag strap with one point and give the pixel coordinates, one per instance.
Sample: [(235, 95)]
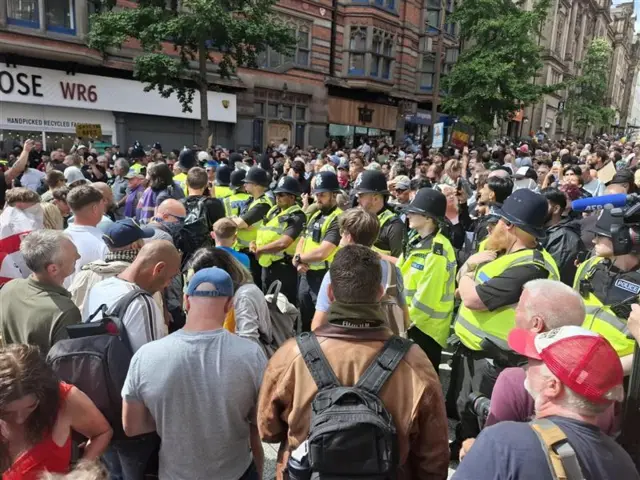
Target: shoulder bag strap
[(384, 364), (317, 363), (561, 456), (120, 308)]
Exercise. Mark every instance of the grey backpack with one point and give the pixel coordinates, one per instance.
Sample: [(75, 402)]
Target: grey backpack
[(352, 435)]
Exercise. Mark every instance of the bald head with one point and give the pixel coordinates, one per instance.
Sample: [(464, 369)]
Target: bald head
[(171, 210), (156, 263), (499, 173), (107, 194), (548, 304)]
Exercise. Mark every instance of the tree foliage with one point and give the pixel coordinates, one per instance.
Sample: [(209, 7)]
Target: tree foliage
[(587, 99), (494, 74), (180, 37)]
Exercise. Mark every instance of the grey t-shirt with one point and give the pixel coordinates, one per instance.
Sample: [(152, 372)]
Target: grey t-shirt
[(202, 390)]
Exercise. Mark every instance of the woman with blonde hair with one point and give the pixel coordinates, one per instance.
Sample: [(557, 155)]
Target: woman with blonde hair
[(52, 217)]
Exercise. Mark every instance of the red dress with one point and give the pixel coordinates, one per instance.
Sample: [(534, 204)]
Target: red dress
[(45, 456)]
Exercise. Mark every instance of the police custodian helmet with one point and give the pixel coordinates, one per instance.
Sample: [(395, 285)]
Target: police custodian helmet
[(428, 203), (288, 185), (257, 176), (326, 182), (371, 181)]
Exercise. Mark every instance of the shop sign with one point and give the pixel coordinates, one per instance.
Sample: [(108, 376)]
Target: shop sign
[(438, 135), (39, 122), (88, 130), (365, 114), (40, 86)]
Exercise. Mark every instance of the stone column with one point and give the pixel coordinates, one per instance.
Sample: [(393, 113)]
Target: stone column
[(121, 132), (82, 19)]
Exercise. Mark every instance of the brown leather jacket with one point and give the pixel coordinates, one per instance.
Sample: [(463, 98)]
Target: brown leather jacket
[(412, 395)]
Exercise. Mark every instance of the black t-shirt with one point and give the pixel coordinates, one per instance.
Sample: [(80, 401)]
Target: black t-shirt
[(3, 189), (391, 237), (506, 288), (295, 224), (257, 213), (510, 450)]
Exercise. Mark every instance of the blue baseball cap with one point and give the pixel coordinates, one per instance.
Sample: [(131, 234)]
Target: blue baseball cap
[(210, 282), (124, 232)]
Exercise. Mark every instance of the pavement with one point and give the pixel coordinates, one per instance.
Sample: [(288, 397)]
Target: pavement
[(271, 450)]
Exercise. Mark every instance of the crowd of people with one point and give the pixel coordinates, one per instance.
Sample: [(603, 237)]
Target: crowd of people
[(384, 254)]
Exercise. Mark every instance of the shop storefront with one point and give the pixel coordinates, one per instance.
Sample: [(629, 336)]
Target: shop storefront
[(47, 104), (351, 120)]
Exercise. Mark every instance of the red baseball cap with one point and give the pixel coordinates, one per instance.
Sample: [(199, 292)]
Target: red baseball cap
[(581, 359), (523, 148)]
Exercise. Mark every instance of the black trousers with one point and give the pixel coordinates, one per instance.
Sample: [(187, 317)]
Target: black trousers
[(287, 274), (256, 269), (428, 346), (478, 375), (308, 288)]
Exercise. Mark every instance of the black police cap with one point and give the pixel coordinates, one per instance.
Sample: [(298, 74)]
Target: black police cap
[(527, 210), (258, 176), (237, 178), (429, 203), (371, 181), (288, 185), (326, 182), (187, 159), (223, 175)]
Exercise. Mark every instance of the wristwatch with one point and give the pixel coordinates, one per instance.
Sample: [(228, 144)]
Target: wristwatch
[(296, 259)]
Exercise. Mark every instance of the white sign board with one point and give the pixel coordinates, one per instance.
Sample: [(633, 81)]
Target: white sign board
[(41, 86), (438, 135), (40, 118)]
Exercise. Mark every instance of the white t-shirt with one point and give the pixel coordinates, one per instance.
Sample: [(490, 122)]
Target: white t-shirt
[(91, 247), (143, 320), (31, 179)]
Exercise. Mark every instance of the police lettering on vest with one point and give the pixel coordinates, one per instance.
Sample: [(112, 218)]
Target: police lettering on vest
[(600, 318), (316, 230), (472, 326), (428, 270), (272, 230), (234, 203)]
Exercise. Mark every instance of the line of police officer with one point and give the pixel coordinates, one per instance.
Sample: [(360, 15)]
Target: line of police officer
[(427, 262)]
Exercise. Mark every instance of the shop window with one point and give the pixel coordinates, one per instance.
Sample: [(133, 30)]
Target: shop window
[(287, 112), (24, 13), (60, 16), (427, 71), (300, 134), (301, 114)]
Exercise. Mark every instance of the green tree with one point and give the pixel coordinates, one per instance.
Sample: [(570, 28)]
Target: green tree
[(587, 99), (225, 33), (494, 74)]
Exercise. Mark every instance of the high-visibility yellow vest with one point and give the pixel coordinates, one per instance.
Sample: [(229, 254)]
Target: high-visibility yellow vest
[(429, 272), (308, 244), (234, 203), (472, 326), (599, 317), (181, 179), (272, 230), (137, 167), (383, 217), (221, 191), (248, 235)]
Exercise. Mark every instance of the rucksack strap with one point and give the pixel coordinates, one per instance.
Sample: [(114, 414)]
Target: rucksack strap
[(317, 363), (384, 364), (120, 308), (561, 456)]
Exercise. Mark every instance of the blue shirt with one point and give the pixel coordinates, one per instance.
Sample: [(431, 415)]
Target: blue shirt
[(511, 450), (241, 257), (322, 304)]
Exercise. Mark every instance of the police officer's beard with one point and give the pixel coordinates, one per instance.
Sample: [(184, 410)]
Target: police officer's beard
[(498, 240)]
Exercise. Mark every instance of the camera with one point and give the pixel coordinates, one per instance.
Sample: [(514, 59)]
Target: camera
[(626, 237), (479, 404)]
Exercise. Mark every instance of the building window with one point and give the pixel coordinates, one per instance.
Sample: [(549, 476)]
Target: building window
[(301, 54), (258, 109), (60, 16), (427, 72), (357, 48), (287, 112), (272, 110), (449, 26), (301, 114), (387, 4), (433, 15), (381, 55), (23, 13)]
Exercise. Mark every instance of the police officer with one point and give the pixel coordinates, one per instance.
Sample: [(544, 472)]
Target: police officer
[(136, 156), (318, 245), (239, 197), (428, 267), (252, 215), (221, 188), (186, 161), (277, 239), (489, 288), (371, 190), (609, 283)]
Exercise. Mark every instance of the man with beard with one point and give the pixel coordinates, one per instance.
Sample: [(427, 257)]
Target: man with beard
[(318, 245), (573, 375), (489, 287), (563, 240)]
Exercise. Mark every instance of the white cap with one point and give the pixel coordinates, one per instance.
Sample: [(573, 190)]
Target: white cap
[(203, 156), (73, 174)]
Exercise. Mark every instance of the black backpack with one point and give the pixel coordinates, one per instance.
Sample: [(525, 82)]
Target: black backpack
[(196, 231), (96, 359), (352, 435)]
